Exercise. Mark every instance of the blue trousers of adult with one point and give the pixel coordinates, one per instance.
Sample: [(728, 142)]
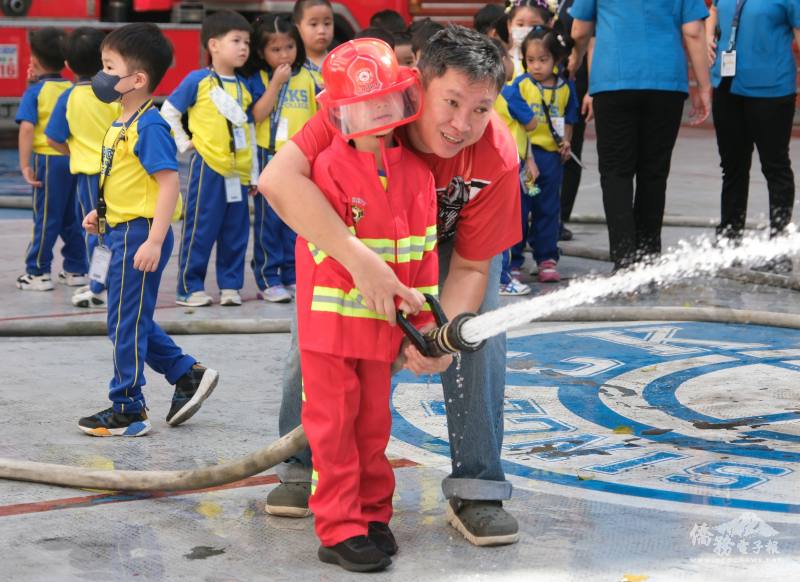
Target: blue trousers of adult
[(136, 337), (541, 214), (209, 219), (476, 419), (273, 241), (87, 186), (53, 216)]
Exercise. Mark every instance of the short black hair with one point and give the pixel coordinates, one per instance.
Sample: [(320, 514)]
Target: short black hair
[(221, 23), (82, 50), (266, 25), (486, 17), (555, 42), (143, 46), (401, 38), (388, 20), (375, 32), (301, 5), (46, 45), (465, 50), (537, 6), (421, 32)]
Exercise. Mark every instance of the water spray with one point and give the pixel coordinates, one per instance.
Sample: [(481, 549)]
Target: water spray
[(689, 259)]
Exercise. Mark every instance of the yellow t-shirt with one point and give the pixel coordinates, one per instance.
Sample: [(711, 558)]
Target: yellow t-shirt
[(299, 105), (37, 105), (210, 134), (517, 131), (129, 188), (81, 121), (527, 98)]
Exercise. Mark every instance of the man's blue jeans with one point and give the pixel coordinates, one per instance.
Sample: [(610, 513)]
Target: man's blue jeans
[(476, 419)]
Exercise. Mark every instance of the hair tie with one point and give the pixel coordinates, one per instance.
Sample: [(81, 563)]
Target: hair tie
[(561, 41)]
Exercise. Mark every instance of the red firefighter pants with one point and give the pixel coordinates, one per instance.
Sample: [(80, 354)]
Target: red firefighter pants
[(347, 420)]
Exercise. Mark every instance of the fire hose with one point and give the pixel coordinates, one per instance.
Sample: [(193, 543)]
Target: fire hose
[(444, 339)]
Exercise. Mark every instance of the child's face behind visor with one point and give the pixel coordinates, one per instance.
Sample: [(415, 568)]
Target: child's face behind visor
[(375, 113)]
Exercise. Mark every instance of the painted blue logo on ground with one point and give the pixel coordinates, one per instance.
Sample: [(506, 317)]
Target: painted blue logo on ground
[(688, 412)]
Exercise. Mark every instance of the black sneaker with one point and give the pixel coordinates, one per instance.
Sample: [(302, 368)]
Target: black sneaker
[(483, 523), (383, 538), (289, 500), (190, 391), (356, 554), (565, 234), (109, 423)]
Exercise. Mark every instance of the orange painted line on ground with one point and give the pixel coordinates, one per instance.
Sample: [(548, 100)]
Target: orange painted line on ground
[(123, 497)]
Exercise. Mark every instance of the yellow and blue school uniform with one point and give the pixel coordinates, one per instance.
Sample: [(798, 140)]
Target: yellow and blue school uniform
[(527, 98), (54, 201), (81, 120), (130, 192), (273, 240), (223, 152)]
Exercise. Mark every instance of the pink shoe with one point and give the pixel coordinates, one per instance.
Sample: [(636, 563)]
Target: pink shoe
[(548, 272)]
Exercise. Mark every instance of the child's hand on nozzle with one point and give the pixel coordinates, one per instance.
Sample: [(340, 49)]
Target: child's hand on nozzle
[(282, 74), (90, 223), (412, 307)]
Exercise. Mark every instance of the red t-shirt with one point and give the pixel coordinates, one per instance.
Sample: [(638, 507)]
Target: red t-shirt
[(477, 189)]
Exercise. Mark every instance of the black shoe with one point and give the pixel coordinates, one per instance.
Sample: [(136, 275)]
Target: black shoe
[(356, 554), (190, 391), (566, 234), (289, 500), (383, 538), (483, 523), (110, 423)]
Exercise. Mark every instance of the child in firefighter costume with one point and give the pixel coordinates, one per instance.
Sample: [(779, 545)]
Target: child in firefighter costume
[(386, 196)]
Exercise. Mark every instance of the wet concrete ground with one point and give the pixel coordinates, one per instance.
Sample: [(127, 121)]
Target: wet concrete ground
[(616, 477)]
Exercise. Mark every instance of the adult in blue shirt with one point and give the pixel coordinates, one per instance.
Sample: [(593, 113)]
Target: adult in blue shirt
[(639, 81), (753, 104)]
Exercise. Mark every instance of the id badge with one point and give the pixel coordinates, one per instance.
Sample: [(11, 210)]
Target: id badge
[(101, 261), (239, 138), (233, 189), (283, 130), (558, 125), (728, 68)]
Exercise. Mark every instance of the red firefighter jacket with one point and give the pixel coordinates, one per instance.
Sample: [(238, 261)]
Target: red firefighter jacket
[(399, 224)]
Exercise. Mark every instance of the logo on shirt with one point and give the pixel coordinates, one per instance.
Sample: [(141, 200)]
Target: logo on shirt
[(357, 209), (363, 73)]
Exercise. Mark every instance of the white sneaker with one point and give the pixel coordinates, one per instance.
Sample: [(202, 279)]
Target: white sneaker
[(276, 294), (72, 279), (196, 299), (83, 297), (514, 287), (292, 289), (229, 297), (28, 282)]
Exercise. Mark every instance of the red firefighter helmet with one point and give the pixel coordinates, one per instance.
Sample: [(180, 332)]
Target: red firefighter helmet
[(366, 91)]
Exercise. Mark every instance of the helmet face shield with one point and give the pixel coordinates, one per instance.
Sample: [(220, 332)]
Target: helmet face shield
[(377, 112)]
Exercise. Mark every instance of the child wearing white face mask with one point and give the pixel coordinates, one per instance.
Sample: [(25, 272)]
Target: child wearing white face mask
[(521, 17)]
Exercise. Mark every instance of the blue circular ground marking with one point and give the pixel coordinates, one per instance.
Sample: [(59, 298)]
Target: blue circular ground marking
[(690, 412)]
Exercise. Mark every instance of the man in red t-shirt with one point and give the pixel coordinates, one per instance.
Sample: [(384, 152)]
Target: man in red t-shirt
[(474, 162)]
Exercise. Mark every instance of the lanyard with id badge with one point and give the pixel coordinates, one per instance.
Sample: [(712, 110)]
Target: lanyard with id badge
[(728, 63), (238, 141), (101, 256), (278, 126)]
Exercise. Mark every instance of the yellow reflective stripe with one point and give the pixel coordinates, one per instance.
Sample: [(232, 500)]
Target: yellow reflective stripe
[(346, 304), (317, 254), (314, 480)]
